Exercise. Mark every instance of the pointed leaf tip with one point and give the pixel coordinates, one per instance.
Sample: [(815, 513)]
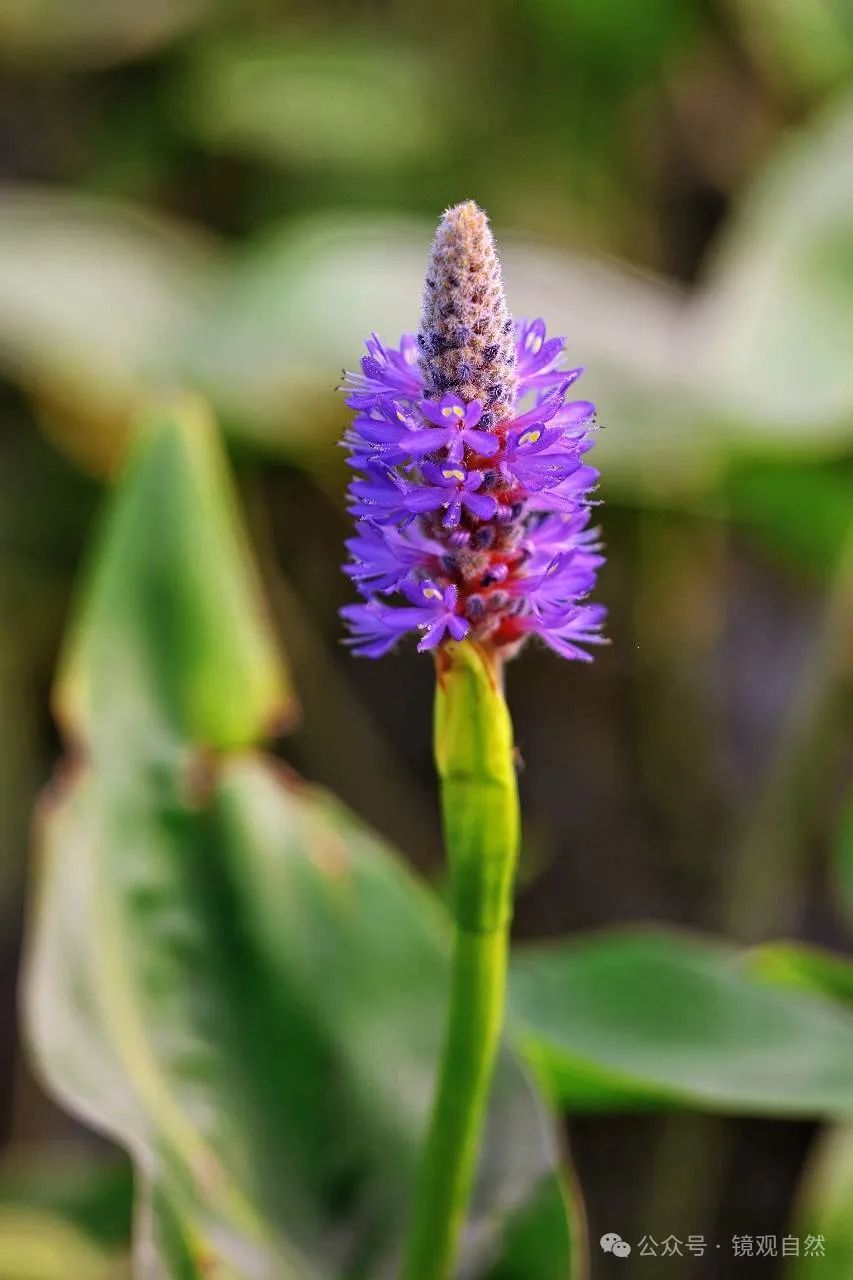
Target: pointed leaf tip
[(171, 643)]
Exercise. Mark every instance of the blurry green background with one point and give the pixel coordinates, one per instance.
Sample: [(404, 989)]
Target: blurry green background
[(230, 196)]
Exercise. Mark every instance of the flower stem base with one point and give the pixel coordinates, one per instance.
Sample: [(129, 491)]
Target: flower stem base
[(449, 1158)]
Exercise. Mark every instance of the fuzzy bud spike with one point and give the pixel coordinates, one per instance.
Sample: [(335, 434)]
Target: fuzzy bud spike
[(466, 337)]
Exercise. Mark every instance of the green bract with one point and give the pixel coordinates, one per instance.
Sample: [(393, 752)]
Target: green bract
[(479, 792)]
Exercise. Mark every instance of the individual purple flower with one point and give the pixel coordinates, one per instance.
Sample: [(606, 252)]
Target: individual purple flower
[(380, 494), (539, 359), (472, 497), (454, 426), (550, 535), (381, 558), (450, 488), (385, 371), (566, 632), (433, 611), (379, 435), (537, 457), (566, 578), (567, 494)]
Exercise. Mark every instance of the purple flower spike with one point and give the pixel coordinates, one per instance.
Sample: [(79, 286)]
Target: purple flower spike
[(471, 494)]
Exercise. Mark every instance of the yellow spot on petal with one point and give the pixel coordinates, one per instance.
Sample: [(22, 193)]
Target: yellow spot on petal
[(432, 593), (536, 345), (530, 437), (451, 473)]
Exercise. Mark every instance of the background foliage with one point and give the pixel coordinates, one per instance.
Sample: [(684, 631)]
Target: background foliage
[(230, 196)]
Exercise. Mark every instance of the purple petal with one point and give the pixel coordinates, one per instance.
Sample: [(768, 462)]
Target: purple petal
[(458, 627), (425, 499), (482, 505), (376, 432), (473, 414), (454, 513), (448, 411), (433, 635), (482, 442), (576, 412), (426, 440)]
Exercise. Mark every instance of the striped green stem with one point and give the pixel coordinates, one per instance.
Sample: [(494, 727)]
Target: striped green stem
[(479, 798)]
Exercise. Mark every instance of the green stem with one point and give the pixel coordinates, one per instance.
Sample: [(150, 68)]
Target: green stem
[(474, 757), (449, 1157)]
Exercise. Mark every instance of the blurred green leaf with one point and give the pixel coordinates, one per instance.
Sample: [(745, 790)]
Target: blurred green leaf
[(92, 32), (171, 638), (36, 1245), (250, 999), (95, 299), (632, 333), (376, 983), (226, 972), (795, 964), (291, 311), (774, 323), (91, 1191), (805, 45), (640, 1018), (529, 1241), (826, 1208), (606, 37), (801, 512), (356, 102)]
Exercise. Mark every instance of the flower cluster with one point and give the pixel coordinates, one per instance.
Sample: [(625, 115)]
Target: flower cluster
[(471, 493)]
